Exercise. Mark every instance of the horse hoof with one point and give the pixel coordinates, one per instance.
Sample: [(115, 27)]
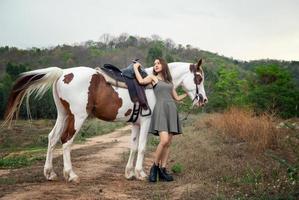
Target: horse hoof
[(140, 175), (75, 180), (53, 177), (131, 177), (70, 176), (50, 175), (129, 174), (66, 175)]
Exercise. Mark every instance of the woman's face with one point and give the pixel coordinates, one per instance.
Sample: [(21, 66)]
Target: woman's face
[(157, 66)]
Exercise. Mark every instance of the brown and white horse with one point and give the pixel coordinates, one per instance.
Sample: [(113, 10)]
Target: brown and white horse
[(81, 91)]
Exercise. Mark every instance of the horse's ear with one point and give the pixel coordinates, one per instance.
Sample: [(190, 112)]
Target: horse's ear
[(199, 63)]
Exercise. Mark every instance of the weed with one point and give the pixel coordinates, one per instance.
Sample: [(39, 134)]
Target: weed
[(251, 176), (177, 168), (8, 181), (17, 162), (153, 141), (292, 170)]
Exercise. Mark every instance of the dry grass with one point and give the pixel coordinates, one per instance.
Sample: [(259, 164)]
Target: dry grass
[(259, 131), (226, 165)]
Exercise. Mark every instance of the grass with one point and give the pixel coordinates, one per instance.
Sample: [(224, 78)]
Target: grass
[(244, 125), (31, 134), (8, 181), (94, 127), (152, 141), (19, 161), (34, 139), (218, 164), (224, 156), (177, 168)]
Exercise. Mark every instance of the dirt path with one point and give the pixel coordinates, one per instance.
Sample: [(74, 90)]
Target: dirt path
[(91, 161), (100, 163)]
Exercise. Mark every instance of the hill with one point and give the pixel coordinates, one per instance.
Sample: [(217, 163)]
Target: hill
[(227, 81)]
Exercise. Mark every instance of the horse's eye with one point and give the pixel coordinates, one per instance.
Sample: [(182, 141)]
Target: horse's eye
[(197, 80)]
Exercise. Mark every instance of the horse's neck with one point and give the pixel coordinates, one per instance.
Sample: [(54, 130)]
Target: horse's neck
[(178, 70)]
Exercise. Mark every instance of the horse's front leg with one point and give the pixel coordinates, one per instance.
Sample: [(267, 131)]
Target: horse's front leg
[(144, 126), (129, 172), (68, 172)]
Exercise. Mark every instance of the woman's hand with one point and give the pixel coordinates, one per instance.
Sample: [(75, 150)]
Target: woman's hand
[(178, 97), (143, 81), (182, 96), (136, 65)]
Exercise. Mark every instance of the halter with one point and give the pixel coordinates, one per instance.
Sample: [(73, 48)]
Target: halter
[(197, 96)]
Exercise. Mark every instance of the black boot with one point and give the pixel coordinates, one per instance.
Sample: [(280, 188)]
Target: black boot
[(163, 175), (153, 173)]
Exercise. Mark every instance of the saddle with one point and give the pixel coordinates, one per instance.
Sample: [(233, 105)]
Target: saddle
[(126, 77)]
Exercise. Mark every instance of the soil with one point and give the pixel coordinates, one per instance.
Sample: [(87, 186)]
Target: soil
[(96, 162)]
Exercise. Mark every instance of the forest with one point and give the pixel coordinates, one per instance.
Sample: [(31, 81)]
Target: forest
[(264, 86)]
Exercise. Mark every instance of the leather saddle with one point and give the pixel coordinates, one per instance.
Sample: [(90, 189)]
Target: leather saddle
[(136, 91), (114, 72)]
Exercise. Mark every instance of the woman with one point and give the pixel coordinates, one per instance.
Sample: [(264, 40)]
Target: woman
[(165, 120)]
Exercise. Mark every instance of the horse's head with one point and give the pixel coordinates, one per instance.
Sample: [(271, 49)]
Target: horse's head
[(193, 84)]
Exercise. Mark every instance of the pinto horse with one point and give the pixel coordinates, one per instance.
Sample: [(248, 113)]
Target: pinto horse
[(81, 91)]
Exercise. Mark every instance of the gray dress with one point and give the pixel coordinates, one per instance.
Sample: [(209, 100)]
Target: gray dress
[(165, 116)]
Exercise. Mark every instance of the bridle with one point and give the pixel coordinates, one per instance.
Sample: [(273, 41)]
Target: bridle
[(198, 77)]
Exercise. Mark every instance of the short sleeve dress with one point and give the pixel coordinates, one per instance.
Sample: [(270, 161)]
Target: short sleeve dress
[(165, 116)]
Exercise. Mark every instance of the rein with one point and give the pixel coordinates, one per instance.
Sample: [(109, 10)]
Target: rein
[(197, 97)]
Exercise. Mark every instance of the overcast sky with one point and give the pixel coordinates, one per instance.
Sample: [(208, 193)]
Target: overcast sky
[(242, 29)]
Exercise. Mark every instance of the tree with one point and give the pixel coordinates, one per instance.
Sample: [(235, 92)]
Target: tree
[(14, 69), (132, 41), (156, 37), (154, 52), (169, 58), (229, 90), (106, 38), (169, 44), (5, 86), (275, 91)]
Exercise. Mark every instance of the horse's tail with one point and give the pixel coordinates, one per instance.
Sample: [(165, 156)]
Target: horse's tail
[(38, 81)]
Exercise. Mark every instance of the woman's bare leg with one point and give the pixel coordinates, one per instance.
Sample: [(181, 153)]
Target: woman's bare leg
[(165, 153), (163, 142)]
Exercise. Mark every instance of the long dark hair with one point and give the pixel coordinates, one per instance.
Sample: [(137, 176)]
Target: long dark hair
[(165, 71)]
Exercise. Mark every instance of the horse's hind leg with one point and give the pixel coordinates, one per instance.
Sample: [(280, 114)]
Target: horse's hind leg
[(129, 172), (73, 127), (54, 136), (52, 141)]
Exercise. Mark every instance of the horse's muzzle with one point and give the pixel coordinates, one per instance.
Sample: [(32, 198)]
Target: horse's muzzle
[(200, 104)]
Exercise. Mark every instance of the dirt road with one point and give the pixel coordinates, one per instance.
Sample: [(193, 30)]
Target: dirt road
[(95, 162), (100, 163)]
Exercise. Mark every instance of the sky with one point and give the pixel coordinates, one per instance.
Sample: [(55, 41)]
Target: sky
[(241, 29)]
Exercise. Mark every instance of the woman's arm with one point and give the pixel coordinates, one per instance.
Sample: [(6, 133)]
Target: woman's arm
[(143, 81), (176, 96)]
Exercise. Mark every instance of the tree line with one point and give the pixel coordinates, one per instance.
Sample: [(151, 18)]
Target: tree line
[(262, 85)]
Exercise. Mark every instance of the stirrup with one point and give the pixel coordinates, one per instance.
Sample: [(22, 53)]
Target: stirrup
[(135, 113), (147, 114)]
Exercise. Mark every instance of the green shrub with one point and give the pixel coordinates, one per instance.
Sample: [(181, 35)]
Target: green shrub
[(16, 162), (177, 168)]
